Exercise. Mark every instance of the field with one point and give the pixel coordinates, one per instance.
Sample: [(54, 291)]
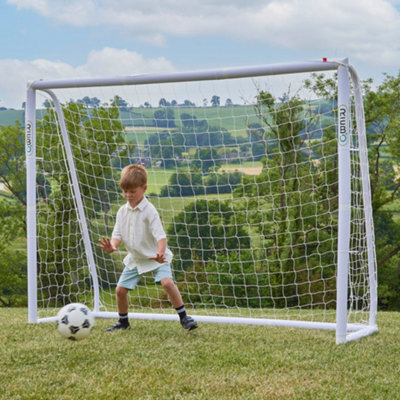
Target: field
[(158, 360), (157, 178)]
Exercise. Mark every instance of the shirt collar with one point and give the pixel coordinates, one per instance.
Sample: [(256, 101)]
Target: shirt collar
[(139, 207)]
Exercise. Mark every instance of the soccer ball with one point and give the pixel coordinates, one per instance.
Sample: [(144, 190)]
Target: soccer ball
[(75, 321)]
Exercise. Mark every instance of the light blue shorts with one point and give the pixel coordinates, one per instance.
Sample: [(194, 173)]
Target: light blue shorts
[(130, 277)]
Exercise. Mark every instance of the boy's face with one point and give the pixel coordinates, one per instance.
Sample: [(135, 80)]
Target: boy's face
[(134, 196)]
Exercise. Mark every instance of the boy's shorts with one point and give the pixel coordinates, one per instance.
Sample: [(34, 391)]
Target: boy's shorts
[(130, 277)]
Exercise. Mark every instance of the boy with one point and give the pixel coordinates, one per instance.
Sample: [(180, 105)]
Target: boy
[(139, 227)]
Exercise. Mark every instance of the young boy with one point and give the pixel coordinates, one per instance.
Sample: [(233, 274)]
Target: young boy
[(139, 227)]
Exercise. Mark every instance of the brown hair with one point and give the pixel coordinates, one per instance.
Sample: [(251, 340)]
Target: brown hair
[(133, 176)]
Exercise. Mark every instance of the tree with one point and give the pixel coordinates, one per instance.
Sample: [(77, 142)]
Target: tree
[(48, 104), (222, 182), (183, 183), (89, 101), (256, 134), (119, 102), (382, 111), (165, 147), (164, 118), (12, 161), (12, 216), (204, 230), (163, 103), (13, 281), (188, 103), (232, 279), (215, 101), (228, 103), (206, 158), (188, 121), (59, 228), (283, 202)]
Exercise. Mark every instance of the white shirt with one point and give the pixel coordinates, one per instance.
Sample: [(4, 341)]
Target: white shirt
[(140, 229)]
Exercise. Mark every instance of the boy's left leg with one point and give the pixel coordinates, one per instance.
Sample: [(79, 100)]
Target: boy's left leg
[(176, 300), (173, 292)]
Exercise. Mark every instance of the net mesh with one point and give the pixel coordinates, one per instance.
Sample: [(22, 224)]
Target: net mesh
[(244, 174)]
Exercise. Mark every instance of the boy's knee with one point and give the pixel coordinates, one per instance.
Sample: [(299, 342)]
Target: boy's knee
[(167, 283), (121, 291)]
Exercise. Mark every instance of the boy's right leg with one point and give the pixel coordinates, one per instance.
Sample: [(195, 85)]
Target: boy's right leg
[(123, 306), (127, 281)]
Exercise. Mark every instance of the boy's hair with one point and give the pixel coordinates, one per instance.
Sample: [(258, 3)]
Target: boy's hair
[(133, 176)]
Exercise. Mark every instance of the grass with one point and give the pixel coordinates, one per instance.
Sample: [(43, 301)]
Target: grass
[(158, 360), (157, 178)]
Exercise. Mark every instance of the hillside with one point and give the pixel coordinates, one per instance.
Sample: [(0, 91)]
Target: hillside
[(8, 117)]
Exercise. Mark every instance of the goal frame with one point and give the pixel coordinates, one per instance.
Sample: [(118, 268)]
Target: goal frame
[(345, 331)]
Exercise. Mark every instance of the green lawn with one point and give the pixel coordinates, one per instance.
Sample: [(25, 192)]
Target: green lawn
[(157, 178), (158, 360)]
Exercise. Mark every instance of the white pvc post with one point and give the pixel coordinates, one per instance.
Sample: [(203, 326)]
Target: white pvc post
[(30, 151), (344, 202), (366, 187)]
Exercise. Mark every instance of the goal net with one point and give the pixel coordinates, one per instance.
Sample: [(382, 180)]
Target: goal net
[(261, 183)]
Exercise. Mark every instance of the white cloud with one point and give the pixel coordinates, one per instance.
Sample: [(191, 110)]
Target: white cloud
[(365, 29), (368, 30), (111, 61), (106, 62)]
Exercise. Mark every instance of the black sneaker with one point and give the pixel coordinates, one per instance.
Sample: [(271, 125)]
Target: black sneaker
[(188, 323), (119, 326)]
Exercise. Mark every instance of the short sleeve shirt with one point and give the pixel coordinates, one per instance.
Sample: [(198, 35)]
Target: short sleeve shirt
[(140, 229)]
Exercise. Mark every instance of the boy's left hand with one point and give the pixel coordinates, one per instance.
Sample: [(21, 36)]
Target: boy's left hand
[(160, 258)]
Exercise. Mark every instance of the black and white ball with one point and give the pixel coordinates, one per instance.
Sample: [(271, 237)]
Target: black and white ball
[(75, 321)]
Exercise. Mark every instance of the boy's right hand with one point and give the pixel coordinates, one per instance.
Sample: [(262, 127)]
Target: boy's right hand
[(105, 244)]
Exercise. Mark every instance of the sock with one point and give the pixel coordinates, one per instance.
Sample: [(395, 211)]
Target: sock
[(123, 318), (181, 312)]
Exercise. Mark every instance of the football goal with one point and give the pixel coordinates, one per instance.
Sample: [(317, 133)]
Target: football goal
[(260, 176)]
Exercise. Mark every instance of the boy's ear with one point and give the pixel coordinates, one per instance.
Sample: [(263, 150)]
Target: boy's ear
[(145, 187)]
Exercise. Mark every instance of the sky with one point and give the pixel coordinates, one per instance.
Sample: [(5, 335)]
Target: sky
[(51, 39)]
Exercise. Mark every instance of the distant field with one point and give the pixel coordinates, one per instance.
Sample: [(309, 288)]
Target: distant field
[(248, 168), (168, 207), (235, 120), (139, 120), (157, 178), (8, 117), (139, 134)]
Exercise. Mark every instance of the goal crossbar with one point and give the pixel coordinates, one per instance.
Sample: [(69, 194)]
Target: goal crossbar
[(200, 75)]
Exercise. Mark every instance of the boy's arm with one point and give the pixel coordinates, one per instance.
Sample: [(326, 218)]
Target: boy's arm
[(160, 257), (108, 245)]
